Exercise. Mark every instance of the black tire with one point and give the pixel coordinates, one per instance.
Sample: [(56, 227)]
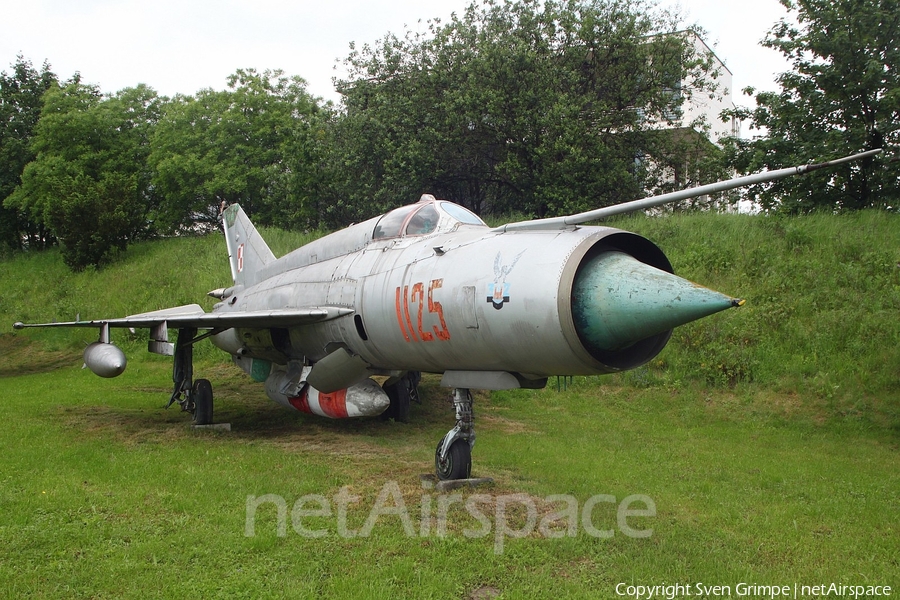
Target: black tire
[(202, 396), (458, 464), (398, 394)]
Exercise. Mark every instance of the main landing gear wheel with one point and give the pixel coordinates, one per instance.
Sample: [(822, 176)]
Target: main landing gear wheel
[(401, 392), (458, 462), (202, 395), (195, 397)]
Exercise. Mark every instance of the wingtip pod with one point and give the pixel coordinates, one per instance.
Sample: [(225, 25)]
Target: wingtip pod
[(105, 359), (618, 300)]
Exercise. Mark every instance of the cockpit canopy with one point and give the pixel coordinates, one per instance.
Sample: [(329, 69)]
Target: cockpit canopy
[(426, 216)]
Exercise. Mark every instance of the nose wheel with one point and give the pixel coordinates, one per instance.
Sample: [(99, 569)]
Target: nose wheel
[(453, 456), (457, 464)]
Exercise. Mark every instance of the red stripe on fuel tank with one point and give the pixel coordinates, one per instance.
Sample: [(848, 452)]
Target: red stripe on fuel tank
[(334, 404), (301, 402)]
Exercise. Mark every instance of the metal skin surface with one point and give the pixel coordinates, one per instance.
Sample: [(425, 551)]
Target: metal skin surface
[(618, 299), (430, 288), (485, 301), (104, 359)]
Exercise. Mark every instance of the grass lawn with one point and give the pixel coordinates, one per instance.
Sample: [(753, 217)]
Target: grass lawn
[(105, 494), (760, 449)]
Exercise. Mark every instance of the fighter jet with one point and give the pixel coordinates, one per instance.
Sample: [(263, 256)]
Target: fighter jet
[(429, 287)]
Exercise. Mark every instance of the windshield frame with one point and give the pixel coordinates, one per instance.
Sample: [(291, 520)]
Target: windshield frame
[(447, 217)]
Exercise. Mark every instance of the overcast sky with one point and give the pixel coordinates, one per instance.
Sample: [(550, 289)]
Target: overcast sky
[(181, 46)]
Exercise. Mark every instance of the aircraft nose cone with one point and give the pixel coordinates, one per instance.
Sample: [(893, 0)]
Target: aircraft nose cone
[(618, 300)]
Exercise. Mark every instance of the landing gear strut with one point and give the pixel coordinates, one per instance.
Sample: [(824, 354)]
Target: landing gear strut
[(195, 397), (453, 456)]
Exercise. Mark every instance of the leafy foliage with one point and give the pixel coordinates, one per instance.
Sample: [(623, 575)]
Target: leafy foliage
[(253, 144), (519, 106), (842, 95), (88, 183), (514, 106), (20, 108)]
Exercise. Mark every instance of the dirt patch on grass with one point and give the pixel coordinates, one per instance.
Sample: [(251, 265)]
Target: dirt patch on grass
[(253, 418), (503, 424), (769, 404), (374, 450), (484, 592), (22, 356), (127, 426)]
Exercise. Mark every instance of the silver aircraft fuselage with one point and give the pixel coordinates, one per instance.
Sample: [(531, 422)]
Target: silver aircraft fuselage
[(460, 298), (429, 287)]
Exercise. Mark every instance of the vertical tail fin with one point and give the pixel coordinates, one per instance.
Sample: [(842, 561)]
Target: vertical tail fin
[(247, 251)]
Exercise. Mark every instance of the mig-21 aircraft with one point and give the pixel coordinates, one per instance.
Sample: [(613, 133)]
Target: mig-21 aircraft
[(431, 288)]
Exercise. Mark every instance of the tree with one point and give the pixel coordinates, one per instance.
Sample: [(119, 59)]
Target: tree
[(251, 144), (529, 106), (88, 183), (21, 93), (841, 96)]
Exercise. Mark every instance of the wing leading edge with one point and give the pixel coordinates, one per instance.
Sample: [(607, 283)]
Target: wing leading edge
[(193, 315)]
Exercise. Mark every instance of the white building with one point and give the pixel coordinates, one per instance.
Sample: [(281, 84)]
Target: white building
[(709, 106), (696, 128)]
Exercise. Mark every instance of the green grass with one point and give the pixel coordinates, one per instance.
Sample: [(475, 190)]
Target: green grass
[(823, 294), (104, 494), (767, 438)]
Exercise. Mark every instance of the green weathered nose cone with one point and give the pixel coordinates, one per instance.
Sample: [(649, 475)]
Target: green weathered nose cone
[(618, 300)]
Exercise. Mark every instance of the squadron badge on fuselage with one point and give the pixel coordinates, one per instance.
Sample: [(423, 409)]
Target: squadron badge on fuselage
[(498, 291)]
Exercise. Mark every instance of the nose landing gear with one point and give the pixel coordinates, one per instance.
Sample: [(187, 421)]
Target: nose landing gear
[(453, 456)]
